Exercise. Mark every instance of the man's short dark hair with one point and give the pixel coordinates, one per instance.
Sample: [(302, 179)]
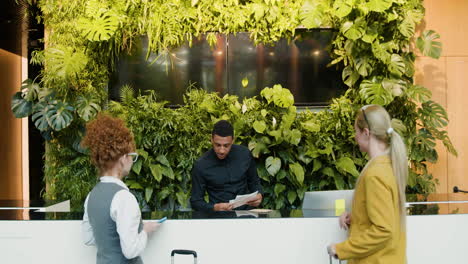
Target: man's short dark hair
[(223, 129)]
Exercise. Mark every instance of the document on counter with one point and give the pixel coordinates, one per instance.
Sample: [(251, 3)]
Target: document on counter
[(244, 213), (261, 211), (243, 199)]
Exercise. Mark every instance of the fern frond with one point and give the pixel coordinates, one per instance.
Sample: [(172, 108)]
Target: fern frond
[(127, 94)]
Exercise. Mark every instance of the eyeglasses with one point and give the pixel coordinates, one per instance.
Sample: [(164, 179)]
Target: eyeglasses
[(134, 156), (365, 117)]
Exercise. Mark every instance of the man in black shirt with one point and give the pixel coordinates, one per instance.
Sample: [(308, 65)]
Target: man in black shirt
[(224, 172)]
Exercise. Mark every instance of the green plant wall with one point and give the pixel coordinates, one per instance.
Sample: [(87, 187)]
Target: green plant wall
[(293, 155), (295, 152)]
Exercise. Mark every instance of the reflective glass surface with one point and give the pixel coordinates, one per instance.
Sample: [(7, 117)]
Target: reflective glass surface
[(428, 204), (298, 64)]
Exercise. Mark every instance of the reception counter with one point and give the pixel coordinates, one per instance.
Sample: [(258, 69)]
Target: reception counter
[(278, 237)]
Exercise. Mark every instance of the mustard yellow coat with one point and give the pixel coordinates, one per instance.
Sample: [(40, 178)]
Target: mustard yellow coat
[(375, 234)]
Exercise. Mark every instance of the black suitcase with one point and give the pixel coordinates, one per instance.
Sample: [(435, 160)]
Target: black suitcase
[(331, 260), (183, 252)]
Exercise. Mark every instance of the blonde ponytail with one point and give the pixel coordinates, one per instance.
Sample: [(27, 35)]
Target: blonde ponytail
[(377, 120), (400, 170)]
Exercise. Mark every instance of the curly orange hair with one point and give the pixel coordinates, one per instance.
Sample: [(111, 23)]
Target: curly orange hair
[(108, 139)]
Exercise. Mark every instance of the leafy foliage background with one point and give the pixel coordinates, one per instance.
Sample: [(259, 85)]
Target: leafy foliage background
[(295, 151)]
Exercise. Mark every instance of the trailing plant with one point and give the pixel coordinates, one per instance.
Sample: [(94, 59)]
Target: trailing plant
[(295, 151)]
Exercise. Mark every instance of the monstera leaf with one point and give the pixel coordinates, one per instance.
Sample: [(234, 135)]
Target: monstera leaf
[(279, 96), (396, 65), (30, 90), (59, 115), (22, 103), (39, 117), (433, 114), (87, 107), (407, 27), (380, 52), (342, 8), (396, 86), (374, 93), (427, 44), (350, 76), (354, 30), (101, 27), (364, 66), (65, 62), (379, 5), (410, 20), (399, 126), (426, 142), (20, 106), (312, 14), (419, 93), (372, 32)]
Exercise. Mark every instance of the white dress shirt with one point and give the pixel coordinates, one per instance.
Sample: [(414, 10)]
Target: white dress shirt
[(125, 212)]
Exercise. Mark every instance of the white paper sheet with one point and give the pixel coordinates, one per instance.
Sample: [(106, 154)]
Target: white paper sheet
[(243, 199)]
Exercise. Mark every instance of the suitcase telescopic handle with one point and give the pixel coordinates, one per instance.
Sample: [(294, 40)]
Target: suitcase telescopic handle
[(183, 252), (331, 260)]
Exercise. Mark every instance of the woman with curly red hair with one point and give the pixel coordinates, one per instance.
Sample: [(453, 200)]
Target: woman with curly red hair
[(112, 217)]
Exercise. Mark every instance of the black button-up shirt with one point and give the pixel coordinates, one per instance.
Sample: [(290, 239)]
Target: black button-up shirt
[(223, 179)]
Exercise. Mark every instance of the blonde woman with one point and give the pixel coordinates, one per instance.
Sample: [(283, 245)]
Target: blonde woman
[(377, 232)]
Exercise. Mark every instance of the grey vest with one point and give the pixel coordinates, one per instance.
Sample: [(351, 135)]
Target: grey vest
[(104, 228)]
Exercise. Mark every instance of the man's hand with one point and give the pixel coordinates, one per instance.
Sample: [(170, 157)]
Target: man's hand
[(257, 201), (222, 207)]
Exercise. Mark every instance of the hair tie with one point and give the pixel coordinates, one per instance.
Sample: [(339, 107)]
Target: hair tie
[(389, 130)]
